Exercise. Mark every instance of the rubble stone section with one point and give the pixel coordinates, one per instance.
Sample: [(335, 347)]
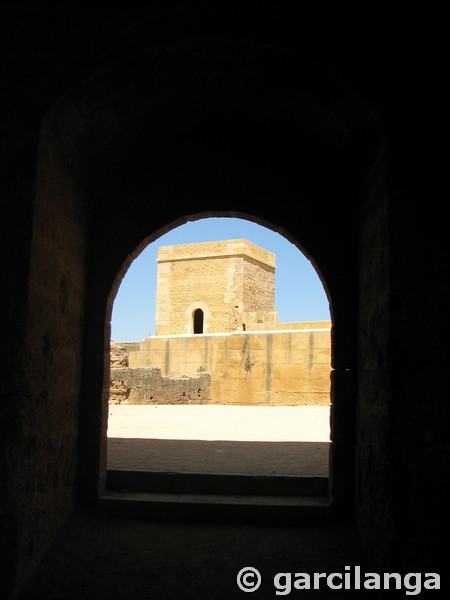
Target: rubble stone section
[(147, 386), (120, 351)]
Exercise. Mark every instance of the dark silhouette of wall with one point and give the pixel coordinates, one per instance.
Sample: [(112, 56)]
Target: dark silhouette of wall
[(321, 123)]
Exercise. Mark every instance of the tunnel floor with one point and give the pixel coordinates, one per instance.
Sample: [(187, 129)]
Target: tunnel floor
[(95, 557), (100, 557)]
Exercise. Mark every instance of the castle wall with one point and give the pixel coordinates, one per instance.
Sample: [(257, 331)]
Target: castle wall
[(258, 286), (148, 386), (286, 367)]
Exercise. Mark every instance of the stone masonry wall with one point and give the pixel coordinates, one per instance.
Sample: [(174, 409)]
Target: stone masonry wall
[(147, 386), (223, 279), (119, 353), (286, 367), (258, 287)]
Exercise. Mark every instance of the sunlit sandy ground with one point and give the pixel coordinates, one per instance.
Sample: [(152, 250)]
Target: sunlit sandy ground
[(219, 422), (215, 438)]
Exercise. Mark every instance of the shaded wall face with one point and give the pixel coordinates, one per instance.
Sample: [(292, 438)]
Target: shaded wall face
[(374, 490), (258, 287), (402, 410), (43, 462), (419, 444)]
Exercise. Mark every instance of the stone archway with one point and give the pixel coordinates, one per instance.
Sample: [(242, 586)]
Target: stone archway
[(200, 311), (282, 397), (236, 155), (198, 321)]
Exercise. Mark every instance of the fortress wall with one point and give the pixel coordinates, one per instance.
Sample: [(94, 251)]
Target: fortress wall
[(264, 321), (271, 367)]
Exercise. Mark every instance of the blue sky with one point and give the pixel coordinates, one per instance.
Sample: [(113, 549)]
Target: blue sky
[(299, 297)]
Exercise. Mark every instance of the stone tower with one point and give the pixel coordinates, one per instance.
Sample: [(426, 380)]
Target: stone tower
[(214, 287)]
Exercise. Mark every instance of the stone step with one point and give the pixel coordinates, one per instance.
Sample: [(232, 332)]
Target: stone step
[(215, 483), (217, 508)]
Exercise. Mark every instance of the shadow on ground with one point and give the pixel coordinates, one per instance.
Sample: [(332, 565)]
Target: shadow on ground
[(200, 456)]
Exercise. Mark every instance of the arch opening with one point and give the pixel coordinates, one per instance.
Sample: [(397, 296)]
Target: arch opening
[(258, 355), (197, 321)]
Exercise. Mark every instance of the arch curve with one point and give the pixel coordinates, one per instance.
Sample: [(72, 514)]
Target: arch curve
[(168, 134)]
